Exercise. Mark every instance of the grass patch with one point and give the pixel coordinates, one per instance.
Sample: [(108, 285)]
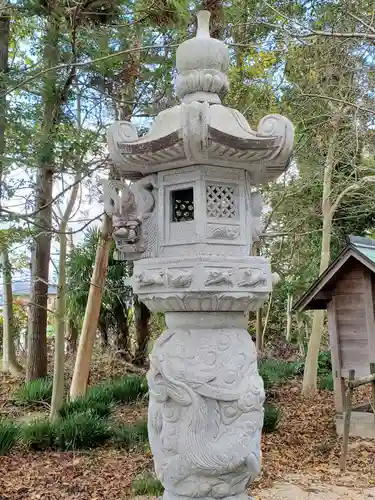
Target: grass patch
[(275, 372), (119, 391), (325, 382), (272, 416), (83, 422), (39, 435), (126, 436), (100, 399), (9, 434), (34, 393), (81, 431), (89, 405), (147, 484)]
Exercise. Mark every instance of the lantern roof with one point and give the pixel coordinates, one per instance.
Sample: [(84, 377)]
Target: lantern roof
[(201, 130)]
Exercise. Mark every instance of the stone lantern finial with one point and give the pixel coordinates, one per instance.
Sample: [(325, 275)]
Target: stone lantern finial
[(202, 65)]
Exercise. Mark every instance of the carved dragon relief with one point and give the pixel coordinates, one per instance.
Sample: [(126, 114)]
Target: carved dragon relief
[(252, 277), (180, 279), (132, 209), (219, 277), (205, 418), (150, 278)]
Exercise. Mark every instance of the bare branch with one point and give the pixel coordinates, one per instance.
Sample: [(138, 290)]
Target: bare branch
[(342, 101)]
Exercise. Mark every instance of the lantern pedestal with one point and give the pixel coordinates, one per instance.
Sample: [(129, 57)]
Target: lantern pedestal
[(206, 406)]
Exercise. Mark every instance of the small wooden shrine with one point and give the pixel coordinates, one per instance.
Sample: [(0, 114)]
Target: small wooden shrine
[(347, 290)]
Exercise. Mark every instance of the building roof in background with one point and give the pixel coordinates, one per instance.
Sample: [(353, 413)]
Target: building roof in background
[(21, 288), (319, 293)]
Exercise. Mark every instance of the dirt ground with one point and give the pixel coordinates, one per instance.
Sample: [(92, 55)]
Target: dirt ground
[(317, 491), (300, 459), (288, 491)]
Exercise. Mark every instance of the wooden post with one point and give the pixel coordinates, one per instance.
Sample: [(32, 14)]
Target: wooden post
[(349, 398), (90, 322), (372, 371), (368, 298), (338, 382)]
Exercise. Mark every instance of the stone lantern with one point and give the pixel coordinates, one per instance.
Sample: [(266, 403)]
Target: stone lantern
[(188, 220)]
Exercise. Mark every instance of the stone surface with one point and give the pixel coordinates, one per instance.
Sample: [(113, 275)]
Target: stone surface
[(205, 411), (206, 283), (361, 424), (285, 491)]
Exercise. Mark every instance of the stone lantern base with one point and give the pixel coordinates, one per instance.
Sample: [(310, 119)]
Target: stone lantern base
[(206, 395), (206, 406)]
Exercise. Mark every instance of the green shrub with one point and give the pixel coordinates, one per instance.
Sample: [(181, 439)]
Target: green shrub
[(147, 484), (129, 388), (36, 392), (86, 405), (81, 431), (126, 436), (275, 371), (324, 363), (299, 367), (39, 435), (272, 416), (102, 394), (326, 382), (141, 430), (122, 390), (9, 433)]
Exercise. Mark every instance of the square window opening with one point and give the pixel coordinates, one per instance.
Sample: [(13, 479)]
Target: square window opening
[(182, 202)]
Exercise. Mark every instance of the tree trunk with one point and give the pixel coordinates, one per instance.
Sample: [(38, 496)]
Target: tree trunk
[(309, 386), (259, 330), (37, 335), (9, 357), (122, 339), (141, 320), (72, 336), (103, 330), (4, 49), (9, 353), (217, 16), (59, 361), (90, 322)]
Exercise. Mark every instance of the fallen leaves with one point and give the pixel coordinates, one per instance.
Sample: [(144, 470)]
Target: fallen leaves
[(305, 447), (52, 476), (306, 442)]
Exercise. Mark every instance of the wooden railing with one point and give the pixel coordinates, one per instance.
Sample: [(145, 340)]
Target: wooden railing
[(353, 384)]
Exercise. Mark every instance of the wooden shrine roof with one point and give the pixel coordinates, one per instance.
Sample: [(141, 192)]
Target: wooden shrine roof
[(320, 292)]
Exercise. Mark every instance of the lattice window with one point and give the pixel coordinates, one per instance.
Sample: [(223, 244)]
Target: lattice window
[(183, 205), (221, 201)]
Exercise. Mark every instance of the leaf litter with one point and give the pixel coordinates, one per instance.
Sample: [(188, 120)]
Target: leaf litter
[(305, 450)]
